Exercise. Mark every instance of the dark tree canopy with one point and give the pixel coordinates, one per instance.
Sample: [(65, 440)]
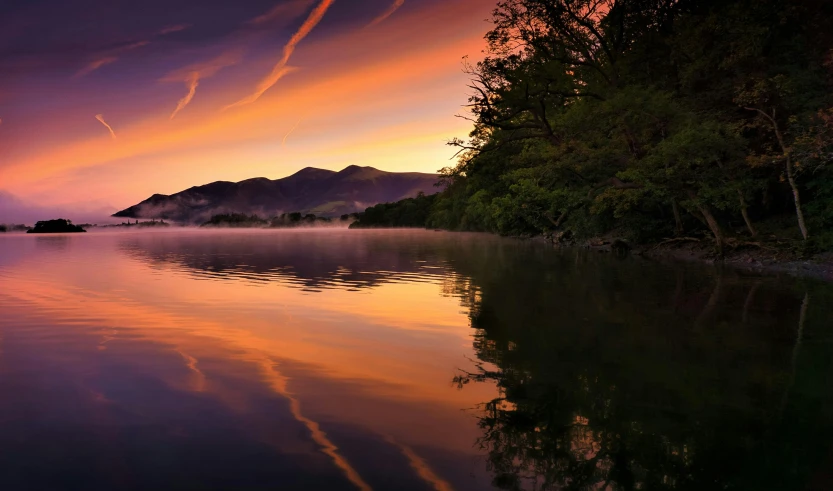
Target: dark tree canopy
[(649, 118)]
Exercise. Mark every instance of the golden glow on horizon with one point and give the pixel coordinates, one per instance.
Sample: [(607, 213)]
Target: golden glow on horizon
[(386, 104)]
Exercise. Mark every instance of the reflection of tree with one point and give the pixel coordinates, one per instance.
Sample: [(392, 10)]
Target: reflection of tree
[(613, 376)]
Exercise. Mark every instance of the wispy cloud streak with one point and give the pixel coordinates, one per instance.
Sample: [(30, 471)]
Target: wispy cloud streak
[(174, 28), (192, 84), (95, 65), (110, 57), (280, 69), (283, 143), (192, 75), (387, 13), (282, 11), (100, 117)]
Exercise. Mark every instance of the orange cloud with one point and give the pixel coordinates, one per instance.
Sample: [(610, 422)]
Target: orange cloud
[(192, 83), (281, 68), (387, 13), (283, 143), (100, 117)]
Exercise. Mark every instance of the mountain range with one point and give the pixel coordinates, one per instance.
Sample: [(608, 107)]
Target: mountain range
[(310, 190)]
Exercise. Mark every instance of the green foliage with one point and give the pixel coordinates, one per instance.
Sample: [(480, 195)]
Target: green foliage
[(297, 219), (411, 212), (596, 117), (236, 220)]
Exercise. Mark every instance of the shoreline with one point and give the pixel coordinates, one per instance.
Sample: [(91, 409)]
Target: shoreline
[(770, 261)]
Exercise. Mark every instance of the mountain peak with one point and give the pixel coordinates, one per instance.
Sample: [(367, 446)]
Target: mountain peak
[(312, 172), (310, 190), (356, 168)]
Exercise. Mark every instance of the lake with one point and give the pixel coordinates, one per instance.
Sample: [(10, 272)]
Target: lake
[(402, 360)]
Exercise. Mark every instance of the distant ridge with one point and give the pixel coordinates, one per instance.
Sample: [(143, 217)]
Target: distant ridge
[(310, 190)]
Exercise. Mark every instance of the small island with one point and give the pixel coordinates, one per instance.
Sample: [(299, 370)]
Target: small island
[(58, 226)]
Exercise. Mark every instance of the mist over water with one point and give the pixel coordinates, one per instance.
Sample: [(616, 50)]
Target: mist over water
[(348, 359)]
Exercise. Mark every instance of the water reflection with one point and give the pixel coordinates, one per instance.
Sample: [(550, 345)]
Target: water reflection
[(699, 380), (332, 360), (309, 259)]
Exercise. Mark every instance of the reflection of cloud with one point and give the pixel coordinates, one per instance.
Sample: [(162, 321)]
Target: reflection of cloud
[(280, 384), (387, 13), (290, 132), (281, 67), (421, 467), (100, 117), (191, 363)]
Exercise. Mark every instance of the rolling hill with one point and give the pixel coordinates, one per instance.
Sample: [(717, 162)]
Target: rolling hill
[(310, 190)]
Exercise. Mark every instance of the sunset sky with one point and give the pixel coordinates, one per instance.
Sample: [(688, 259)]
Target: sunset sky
[(104, 103)]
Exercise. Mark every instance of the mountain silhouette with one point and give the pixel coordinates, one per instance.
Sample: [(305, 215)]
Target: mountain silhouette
[(310, 190)]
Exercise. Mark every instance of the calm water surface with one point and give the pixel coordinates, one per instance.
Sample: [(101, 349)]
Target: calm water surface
[(402, 360)]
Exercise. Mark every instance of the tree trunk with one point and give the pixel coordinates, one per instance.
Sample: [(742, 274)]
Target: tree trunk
[(797, 199), (714, 227), (743, 211), (790, 175), (678, 221)]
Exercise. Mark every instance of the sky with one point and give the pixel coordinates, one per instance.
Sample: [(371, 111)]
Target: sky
[(104, 103)]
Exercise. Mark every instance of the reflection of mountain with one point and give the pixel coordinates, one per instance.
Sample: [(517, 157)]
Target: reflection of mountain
[(317, 191), (622, 376), (307, 258)]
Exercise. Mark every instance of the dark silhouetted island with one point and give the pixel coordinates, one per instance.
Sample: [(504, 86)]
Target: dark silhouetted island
[(58, 226)]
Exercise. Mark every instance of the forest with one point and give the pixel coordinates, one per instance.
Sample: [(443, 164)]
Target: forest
[(647, 120)]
